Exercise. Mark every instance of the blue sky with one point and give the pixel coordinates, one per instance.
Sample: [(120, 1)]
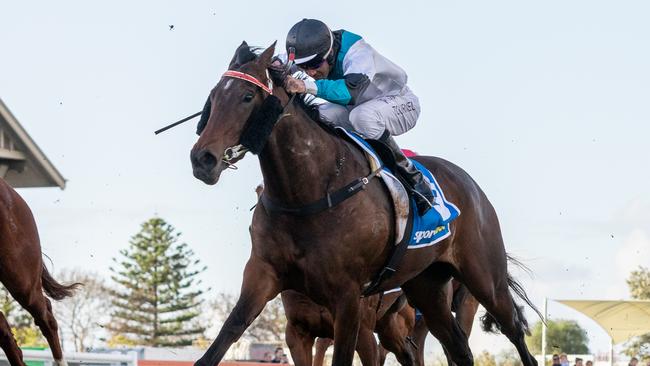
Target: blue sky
[(545, 104)]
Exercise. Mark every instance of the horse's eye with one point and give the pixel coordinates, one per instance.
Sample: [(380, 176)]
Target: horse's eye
[(248, 97)]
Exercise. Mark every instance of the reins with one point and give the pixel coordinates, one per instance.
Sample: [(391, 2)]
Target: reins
[(235, 152), (330, 200)]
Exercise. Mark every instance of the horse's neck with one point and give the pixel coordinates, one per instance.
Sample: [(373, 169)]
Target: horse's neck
[(301, 160)]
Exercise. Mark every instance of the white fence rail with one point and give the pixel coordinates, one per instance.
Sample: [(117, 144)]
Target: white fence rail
[(130, 359)]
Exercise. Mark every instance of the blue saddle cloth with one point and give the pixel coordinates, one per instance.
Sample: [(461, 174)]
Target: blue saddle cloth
[(433, 226)]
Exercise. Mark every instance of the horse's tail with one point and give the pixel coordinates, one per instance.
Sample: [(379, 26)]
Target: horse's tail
[(489, 323), (55, 290)]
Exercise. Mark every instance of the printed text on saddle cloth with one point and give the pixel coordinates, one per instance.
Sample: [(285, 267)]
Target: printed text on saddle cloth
[(428, 229)]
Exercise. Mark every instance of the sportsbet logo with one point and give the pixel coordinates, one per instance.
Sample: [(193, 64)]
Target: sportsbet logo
[(427, 234)]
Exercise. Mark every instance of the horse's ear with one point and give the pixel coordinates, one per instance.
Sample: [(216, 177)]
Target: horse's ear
[(266, 56), (237, 58)]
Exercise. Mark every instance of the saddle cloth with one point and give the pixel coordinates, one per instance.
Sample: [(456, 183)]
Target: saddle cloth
[(428, 229)]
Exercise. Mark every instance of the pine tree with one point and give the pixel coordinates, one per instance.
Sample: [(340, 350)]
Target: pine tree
[(158, 295)]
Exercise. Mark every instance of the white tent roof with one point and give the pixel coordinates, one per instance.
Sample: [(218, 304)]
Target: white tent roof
[(622, 320)]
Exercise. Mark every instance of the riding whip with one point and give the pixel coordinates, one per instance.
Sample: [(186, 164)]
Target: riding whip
[(178, 122)]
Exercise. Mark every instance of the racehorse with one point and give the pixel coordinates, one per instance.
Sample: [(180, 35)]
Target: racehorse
[(388, 315), (393, 320), (331, 255), (24, 275)]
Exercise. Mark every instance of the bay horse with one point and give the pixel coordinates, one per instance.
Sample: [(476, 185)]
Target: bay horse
[(393, 320), (388, 315), (331, 255), (24, 275)]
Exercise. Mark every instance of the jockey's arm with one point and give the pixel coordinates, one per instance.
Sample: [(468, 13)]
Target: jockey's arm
[(358, 71)]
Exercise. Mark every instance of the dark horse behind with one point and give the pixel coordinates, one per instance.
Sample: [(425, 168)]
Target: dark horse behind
[(331, 255), (25, 277)]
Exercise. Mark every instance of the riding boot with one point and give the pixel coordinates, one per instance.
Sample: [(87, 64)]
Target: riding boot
[(419, 186)]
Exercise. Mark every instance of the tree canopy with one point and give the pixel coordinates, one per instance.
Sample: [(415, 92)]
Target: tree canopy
[(639, 284), (561, 336), (157, 296)]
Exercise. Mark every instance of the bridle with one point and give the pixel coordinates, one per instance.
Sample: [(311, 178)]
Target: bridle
[(234, 152), (251, 79)]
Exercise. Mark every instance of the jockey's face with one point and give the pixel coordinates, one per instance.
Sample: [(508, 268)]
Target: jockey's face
[(320, 72)]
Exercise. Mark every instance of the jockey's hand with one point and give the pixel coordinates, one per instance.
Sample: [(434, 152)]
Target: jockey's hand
[(293, 85)]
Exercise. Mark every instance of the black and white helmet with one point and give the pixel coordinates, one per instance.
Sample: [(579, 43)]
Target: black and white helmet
[(311, 40)]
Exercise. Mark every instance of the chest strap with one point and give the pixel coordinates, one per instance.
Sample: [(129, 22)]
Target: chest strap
[(330, 200)]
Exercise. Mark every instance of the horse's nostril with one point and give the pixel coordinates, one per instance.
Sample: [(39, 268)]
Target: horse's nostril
[(203, 160), (207, 159)]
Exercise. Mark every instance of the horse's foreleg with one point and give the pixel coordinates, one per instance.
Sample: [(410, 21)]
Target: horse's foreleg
[(259, 286), (346, 328), (322, 344), (300, 343), (8, 343)]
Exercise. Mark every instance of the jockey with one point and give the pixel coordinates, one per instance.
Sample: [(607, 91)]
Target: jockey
[(365, 92)]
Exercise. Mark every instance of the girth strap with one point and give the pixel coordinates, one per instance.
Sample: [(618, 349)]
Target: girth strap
[(393, 261), (330, 200)]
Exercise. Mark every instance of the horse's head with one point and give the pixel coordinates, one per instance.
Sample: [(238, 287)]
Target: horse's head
[(239, 97)]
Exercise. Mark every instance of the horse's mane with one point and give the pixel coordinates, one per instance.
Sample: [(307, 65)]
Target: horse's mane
[(278, 74)]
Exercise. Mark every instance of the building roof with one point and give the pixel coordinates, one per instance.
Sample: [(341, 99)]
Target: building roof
[(22, 163), (622, 320)]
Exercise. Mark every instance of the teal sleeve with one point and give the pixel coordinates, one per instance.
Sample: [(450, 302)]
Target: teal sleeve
[(335, 91)]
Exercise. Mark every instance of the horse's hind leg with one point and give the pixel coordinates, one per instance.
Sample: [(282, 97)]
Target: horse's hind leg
[(8, 343), (393, 331), (419, 336), (501, 307), (322, 344), (466, 311), (428, 292), (28, 292), (485, 275), (367, 347), (383, 352), (40, 308)]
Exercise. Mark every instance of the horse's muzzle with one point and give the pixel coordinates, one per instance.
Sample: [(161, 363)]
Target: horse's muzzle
[(204, 165)]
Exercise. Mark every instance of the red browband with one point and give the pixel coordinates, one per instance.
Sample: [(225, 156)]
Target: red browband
[(251, 79)]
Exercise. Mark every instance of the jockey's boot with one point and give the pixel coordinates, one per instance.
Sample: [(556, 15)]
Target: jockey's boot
[(419, 186)]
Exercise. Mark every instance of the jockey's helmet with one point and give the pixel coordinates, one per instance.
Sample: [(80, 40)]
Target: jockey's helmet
[(312, 41)]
